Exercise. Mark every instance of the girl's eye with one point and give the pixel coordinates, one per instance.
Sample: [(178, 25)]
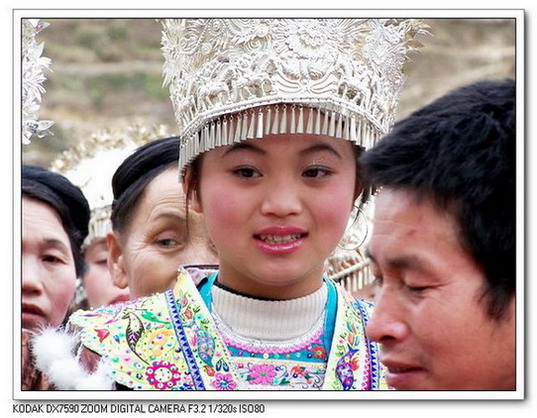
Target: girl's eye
[(316, 172), (247, 172)]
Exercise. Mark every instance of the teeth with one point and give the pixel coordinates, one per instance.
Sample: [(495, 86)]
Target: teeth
[(279, 239)]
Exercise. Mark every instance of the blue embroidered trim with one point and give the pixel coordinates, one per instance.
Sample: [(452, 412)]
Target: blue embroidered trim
[(373, 349), (330, 316), (183, 342)]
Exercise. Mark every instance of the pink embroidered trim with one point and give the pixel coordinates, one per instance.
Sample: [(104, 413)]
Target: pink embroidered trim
[(273, 348)]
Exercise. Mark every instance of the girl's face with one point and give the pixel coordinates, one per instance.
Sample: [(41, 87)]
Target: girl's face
[(275, 209)]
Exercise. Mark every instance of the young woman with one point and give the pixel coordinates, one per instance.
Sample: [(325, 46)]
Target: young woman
[(271, 127)]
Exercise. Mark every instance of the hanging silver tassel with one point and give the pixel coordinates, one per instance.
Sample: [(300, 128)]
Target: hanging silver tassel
[(317, 130), (346, 126), (218, 134), (309, 126), (238, 128), (352, 128), (292, 129), (300, 127), (259, 130), (212, 135), (283, 123), (225, 127), (267, 121), (332, 128), (275, 122), (251, 132), (204, 139), (325, 123), (181, 155), (339, 129), (244, 128)]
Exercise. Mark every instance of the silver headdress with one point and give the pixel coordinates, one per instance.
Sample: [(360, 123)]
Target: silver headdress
[(237, 79), (33, 77), (92, 163), (348, 264)]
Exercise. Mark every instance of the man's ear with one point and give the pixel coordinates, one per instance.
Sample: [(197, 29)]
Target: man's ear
[(116, 265), (193, 200)]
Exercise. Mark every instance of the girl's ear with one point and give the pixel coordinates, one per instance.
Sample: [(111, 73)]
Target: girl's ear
[(190, 191), (358, 189), (116, 265)]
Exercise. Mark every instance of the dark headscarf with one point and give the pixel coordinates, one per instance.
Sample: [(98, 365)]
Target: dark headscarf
[(136, 172)]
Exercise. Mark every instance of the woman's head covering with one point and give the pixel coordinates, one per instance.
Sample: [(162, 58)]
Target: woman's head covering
[(66, 199), (136, 172), (335, 77)]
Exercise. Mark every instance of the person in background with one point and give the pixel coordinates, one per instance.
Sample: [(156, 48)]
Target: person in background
[(153, 231), (55, 216), (90, 165), (443, 248)]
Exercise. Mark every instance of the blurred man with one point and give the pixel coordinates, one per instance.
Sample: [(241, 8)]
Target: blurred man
[(443, 244)]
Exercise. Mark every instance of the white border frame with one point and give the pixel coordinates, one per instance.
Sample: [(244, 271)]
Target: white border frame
[(517, 14)]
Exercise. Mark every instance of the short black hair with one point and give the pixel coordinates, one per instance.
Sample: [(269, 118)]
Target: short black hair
[(461, 151), (66, 199), (136, 172)]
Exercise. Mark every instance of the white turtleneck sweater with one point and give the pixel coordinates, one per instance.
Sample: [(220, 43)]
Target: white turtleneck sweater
[(275, 344)]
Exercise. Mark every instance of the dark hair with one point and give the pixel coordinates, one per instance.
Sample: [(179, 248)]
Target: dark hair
[(66, 199), (136, 172), (461, 151)]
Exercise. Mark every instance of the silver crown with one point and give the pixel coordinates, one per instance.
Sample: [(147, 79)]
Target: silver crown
[(33, 77), (237, 79)]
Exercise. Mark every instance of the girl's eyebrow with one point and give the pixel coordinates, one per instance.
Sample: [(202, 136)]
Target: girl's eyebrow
[(321, 147), (244, 146)]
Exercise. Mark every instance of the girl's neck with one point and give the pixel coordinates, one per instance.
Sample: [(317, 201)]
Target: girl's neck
[(271, 289), (269, 320)]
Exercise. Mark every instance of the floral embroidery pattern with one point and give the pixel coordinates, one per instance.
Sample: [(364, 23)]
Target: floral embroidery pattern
[(262, 374), (223, 382), (158, 339), (163, 375)]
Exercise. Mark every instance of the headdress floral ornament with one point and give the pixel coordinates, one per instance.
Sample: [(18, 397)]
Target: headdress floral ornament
[(348, 265), (33, 77), (92, 163), (237, 79)]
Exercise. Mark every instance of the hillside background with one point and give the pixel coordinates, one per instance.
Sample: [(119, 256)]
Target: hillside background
[(107, 73)]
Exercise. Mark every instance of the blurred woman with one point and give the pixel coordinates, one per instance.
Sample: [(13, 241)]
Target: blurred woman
[(153, 233), (55, 222)]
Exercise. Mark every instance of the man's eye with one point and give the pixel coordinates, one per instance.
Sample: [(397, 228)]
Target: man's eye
[(247, 172), (417, 289), (51, 259)]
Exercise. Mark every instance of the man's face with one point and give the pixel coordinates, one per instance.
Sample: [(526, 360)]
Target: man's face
[(429, 315)]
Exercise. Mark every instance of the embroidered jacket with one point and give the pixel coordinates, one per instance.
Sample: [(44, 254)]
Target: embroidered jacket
[(170, 341)]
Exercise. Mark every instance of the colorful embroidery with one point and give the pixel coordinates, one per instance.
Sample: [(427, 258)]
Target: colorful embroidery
[(170, 341)]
